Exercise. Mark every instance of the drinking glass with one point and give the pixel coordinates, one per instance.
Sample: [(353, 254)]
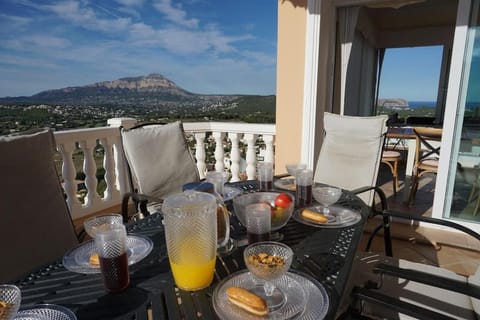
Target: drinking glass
[(259, 222), (218, 180), (10, 298), (191, 235), (111, 245), (303, 187), (265, 176)]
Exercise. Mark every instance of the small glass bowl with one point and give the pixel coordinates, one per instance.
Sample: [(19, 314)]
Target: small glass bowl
[(326, 195), (268, 260), (96, 223)]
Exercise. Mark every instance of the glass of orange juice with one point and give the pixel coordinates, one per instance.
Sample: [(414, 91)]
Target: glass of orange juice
[(191, 235)]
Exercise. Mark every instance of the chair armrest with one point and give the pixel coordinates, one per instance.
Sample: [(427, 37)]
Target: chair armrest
[(429, 279), (446, 223), (407, 308), (140, 202)]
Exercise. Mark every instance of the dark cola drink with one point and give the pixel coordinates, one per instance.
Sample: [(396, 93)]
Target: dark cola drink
[(256, 237), (303, 188), (303, 196), (115, 272), (265, 185)]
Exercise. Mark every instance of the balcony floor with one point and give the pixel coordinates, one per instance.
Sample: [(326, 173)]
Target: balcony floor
[(419, 244)]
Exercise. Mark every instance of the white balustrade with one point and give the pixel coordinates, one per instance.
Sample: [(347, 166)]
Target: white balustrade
[(241, 138)]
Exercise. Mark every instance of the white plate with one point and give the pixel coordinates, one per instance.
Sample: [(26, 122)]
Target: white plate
[(78, 258), (285, 184), (45, 312), (338, 217)]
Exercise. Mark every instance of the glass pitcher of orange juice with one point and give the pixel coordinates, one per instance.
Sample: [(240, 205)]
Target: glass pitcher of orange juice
[(191, 235)]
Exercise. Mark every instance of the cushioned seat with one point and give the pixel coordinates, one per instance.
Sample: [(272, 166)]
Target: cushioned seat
[(159, 160)]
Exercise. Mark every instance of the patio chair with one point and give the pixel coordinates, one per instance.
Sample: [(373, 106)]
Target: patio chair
[(389, 288), (351, 153), (391, 158), (36, 227), (426, 155), (159, 163)]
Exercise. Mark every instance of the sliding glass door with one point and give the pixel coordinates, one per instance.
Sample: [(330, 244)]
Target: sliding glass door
[(462, 198)]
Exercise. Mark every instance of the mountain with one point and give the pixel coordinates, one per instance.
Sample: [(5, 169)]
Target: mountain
[(152, 90)]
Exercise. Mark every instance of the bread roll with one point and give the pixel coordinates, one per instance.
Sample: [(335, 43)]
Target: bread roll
[(314, 216), (247, 300), (94, 260)]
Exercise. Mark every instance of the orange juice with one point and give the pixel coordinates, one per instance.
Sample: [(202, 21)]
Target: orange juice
[(193, 275)]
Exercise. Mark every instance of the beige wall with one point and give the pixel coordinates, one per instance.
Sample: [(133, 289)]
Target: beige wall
[(292, 15)]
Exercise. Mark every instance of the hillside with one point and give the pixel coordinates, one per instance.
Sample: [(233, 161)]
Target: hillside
[(151, 91)]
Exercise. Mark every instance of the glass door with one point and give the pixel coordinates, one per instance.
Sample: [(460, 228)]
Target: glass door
[(463, 187)]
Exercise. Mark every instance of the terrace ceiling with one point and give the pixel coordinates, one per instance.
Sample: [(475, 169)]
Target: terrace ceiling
[(425, 23)]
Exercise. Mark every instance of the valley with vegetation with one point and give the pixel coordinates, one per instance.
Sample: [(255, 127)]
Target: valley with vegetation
[(151, 98)]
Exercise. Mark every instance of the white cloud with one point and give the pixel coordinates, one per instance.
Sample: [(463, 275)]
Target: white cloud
[(14, 21), (131, 3), (37, 43), (175, 14), (72, 11)]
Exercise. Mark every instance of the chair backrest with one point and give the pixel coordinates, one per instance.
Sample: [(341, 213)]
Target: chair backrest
[(425, 148), (35, 223), (159, 158), (351, 152)]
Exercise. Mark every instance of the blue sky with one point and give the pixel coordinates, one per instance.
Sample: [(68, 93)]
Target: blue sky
[(411, 73), (204, 46)]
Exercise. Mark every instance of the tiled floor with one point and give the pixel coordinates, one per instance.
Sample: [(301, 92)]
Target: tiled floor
[(419, 244)]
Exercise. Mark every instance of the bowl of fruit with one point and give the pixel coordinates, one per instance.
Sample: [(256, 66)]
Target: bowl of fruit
[(281, 206)]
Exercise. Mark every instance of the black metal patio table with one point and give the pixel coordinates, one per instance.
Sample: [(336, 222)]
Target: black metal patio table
[(322, 253)]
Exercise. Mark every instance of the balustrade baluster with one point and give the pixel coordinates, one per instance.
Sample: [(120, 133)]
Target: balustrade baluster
[(251, 157), (89, 168), (219, 153), (269, 155), (200, 154), (235, 156)]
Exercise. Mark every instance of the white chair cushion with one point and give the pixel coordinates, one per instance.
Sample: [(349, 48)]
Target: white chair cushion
[(159, 158), (352, 146)]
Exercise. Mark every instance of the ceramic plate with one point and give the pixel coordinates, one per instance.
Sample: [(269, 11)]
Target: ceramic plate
[(295, 297), (77, 259), (285, 184), (45, 312), (230, 193), (338, 217)]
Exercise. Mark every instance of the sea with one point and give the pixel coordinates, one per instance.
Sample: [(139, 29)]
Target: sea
[(433, 104), (417, 104)]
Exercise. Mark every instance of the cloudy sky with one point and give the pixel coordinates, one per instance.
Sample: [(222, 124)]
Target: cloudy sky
[(204, 46)]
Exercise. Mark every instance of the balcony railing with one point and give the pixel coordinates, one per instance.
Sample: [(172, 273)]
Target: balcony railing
[(236, 148)]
